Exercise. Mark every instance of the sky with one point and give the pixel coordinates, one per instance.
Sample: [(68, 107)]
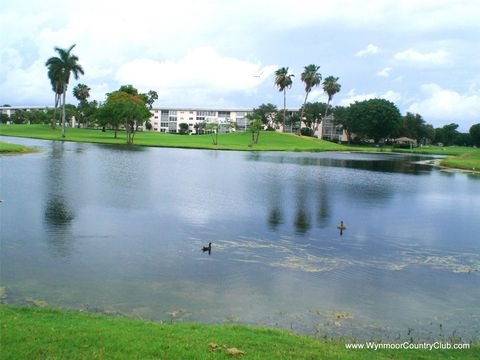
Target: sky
[(423, 55)]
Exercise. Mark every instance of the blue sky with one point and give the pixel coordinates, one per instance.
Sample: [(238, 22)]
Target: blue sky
[(422, 55)]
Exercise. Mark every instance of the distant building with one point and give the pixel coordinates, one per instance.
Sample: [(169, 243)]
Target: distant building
[(168, 120)]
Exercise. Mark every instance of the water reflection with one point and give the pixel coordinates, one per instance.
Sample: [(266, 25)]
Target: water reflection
[(371, 162), (58, 214), (302, 219)]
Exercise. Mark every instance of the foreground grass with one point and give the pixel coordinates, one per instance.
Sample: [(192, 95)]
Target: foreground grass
[(233, 141), (35, 333), (7, 148)]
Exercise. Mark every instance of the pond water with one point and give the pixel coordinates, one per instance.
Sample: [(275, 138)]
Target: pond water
[(120, 230)]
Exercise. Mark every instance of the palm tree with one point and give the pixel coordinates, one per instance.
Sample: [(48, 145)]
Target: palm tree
[(311, 77), (81, 93), (283, 80), (331, 87), (58, 90), (59, 68)]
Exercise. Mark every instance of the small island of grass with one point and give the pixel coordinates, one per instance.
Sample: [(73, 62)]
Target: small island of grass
[(7, 148)]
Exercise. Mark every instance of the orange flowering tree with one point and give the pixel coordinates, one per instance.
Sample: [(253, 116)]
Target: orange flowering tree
[(129, 110)]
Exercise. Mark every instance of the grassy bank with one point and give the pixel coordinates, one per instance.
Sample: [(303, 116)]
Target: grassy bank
[(234, 141), (35, 333), (7, 148), (460, 157)]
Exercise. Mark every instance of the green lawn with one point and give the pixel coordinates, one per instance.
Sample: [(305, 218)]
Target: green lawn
[(462, 157), (39, 333), (7, 148), (234, 141)]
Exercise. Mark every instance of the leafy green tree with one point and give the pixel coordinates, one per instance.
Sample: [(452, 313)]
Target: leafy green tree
[(312, 115), (267, 113), (463, 139), (4, 118), (375, 118), (446, 134), (340, 117), (283, 81), (151, 97), (475, 134), (127, 109), (414, 127), (59, 70), (183, 128)]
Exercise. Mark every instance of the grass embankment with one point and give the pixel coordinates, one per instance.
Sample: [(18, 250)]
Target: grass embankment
[(34, 333), (459, 157), (462, 157), (7, 148), (233, 141)]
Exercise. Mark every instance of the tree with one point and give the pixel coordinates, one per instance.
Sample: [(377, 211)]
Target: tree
[(212, 128), (446, 134), (475, 134), (283, 81), (57, 87), (81, 93), (375, 118), (255, 124), (312, 115), (183, 128), (414, 127), (59, 70), (151, 97), (311, 78), (266, 113), (124, 108), (331, 87), (340, 117)]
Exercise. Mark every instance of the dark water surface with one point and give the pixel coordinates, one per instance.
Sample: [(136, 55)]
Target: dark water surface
[(117, 230)]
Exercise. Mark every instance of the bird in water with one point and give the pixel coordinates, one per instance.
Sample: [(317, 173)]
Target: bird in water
[(207, 248), (341, 227)]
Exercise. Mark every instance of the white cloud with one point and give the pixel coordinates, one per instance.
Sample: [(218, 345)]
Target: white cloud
[(200, 70), (369, 50), (352, 96), (429, 58), (442, 106), (385, 72)]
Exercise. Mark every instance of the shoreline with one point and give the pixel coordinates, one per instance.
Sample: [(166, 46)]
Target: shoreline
[(54, 333)]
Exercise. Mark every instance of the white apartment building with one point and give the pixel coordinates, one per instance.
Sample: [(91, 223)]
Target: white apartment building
[(168, 120)]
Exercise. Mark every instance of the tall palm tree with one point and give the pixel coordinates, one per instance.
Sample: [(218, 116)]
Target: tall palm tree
[(311, 77), (331, 87), (59, 68), (58, 90), (283, 81)]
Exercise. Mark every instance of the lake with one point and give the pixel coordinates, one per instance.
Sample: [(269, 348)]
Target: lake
[(120, 230)]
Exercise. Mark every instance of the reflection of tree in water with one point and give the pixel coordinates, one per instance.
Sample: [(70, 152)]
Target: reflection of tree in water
[(302, 220), (323, 210), (275, 217), (58, 218), (302, 217), (57, 213)]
